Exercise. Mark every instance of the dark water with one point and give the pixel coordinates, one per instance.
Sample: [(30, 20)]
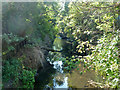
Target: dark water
[(55, 77)]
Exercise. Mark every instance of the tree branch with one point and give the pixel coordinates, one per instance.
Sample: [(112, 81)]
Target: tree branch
[(50, 49)]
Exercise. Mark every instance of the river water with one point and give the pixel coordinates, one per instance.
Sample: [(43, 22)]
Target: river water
[(61, 79)]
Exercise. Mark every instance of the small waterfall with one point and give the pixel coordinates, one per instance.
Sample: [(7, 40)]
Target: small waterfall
[(58, 66)]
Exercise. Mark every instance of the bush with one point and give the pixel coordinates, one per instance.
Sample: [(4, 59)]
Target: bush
[(13, 71), (27, 78)]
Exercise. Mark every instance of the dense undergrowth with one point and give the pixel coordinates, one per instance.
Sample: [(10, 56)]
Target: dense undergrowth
[(25, 25), (17, 74)]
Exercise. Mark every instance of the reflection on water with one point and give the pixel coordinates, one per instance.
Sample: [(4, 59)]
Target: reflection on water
[(59, 80), (63, 85), (74, 79)]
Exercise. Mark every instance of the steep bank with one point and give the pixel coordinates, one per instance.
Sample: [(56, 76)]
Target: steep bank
[(29, 58)]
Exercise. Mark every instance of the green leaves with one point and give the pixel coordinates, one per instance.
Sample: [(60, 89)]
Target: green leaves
[(106, 57), (27, 78), (10, 38), (11, 48), (12, 70)]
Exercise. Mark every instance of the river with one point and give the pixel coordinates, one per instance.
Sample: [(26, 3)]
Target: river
[(56, 77)]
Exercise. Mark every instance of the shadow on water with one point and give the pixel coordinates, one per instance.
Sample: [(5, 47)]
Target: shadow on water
[(44, 78), (52, 78), (55, 77)]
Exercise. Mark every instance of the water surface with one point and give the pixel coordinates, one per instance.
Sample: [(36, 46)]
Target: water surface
[(77, 78)]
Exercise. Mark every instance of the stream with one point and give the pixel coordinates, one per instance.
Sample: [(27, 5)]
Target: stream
[(56, 77)]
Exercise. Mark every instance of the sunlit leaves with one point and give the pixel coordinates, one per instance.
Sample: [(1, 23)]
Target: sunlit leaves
[(107, 57), (28, 20)]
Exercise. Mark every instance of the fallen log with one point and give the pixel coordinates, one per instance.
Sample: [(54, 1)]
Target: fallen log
[(50, 49)]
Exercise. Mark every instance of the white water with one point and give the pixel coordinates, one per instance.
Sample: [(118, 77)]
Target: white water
[(58, 67)]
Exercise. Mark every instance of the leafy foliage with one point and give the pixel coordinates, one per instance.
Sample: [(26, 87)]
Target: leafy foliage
[(14, 73), (13, 67), (94, 28), (35, 21), (27, 78), (105, 58)]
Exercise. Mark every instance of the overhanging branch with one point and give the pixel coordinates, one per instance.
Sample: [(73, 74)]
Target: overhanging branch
[(50, 49)]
